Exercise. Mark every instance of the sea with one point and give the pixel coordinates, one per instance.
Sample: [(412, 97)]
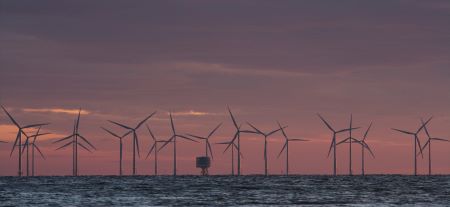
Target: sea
[(374, 190)]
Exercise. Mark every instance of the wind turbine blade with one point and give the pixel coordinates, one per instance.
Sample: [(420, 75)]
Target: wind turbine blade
[(426, 130), (3, 141), (65, 145), (426, 144), (121, 125), (126, 134), (198, 137), (275, 131), (301, 140), (165, 143), (249, 132), (343, 141), (282, 130), (11, 118), (65, 138), (232, 140), (84, 147), (112, 133), (184, 137), (215, 129), (440, 139), (37, 132), (151, 150), (282, 149), (222, 143), (78, 119), (37, 148), (210, 148), (150, 132), (420, 146), (257, 130), (367, 131), (326, 123), (15, 143), (346, 130), (404, 132), (232, 118), (424, 125), (355, 140), (331, 147), (228, 146), (171, 123), (368, 148), (87, 142), (34, 125), (24, 145), (38, 135), (143, 121)]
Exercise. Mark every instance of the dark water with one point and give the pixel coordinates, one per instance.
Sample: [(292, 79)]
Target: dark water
[(225, 191)]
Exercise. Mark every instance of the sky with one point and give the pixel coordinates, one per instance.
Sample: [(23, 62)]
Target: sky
[(385, 62)]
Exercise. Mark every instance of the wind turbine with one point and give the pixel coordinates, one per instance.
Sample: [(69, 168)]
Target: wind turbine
[(18, 141), (234, 146), (174, 140), (237, 137), (266, 135), (364, 146), (75, 143), (416, 141), (120, 147), (333, 141), (135, 137), (208, 148), (33, 146), (350, 140), (286, 146), (154, 148), (428, 143)]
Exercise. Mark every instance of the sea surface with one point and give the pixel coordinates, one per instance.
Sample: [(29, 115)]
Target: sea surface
[(389, 190)]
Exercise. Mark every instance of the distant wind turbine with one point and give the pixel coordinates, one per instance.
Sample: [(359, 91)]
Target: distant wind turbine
[(265, 135), (75, 143), (236, 137), (174, 140), (364, 146), (18, 141), (208, 148), (120, 147), (154, 148), (428, 143), (350, 140), (333, 141), (286, 146), (234, 146), (135, 137), (33, 146), (416, 141)]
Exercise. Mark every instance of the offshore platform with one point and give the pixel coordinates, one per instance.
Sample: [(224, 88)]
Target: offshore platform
[(203, 162)]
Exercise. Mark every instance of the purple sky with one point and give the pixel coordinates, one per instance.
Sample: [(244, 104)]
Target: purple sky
[(384, 61)]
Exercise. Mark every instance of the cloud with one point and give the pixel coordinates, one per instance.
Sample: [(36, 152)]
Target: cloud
[(55, 110), (8, 133), (223, 69), (194, 113)]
